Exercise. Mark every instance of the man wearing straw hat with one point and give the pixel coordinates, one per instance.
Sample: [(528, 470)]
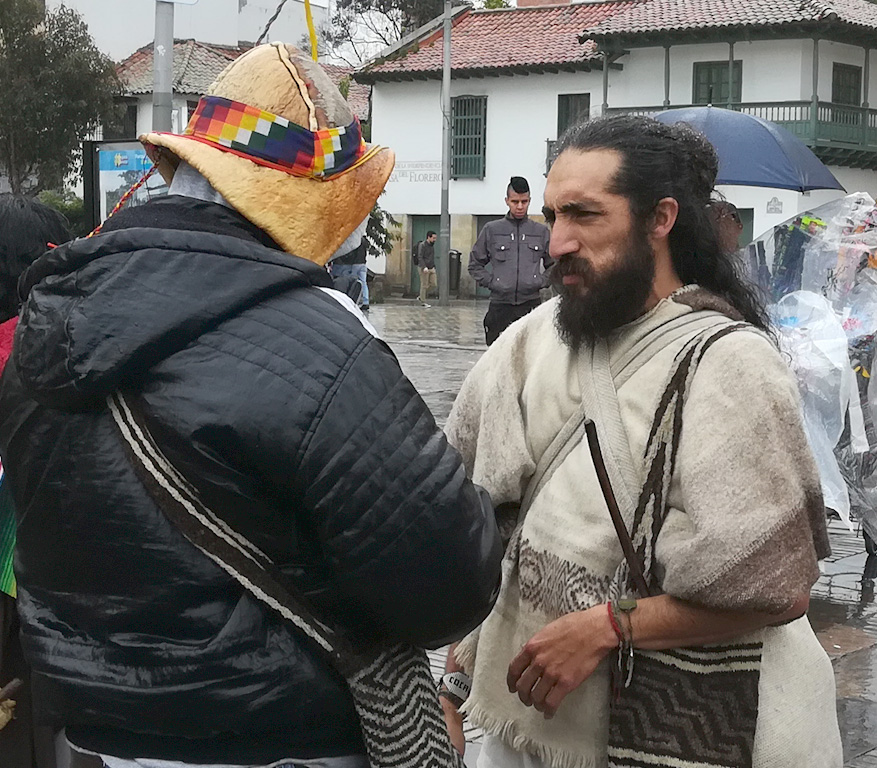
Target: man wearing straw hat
[(193, 357)]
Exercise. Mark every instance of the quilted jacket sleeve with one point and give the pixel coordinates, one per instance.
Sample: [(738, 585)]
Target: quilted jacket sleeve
[(412, 542)]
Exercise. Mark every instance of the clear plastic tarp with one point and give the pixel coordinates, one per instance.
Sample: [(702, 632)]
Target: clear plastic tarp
[(818, 272)]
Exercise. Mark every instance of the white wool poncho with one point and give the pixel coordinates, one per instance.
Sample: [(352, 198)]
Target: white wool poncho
[(744, 530)]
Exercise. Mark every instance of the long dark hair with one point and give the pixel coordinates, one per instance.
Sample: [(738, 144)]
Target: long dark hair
[(658, 161), (26, 229)]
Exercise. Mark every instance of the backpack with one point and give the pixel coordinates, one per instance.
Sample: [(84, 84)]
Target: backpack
[(414, 250)]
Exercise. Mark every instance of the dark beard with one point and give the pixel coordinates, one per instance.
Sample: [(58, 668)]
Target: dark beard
[(611, 299)]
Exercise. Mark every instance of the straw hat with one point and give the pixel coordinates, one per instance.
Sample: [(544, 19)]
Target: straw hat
[(277, 140)]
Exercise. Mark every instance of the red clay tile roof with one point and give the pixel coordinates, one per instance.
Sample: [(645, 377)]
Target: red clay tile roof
[(516, 39), (661, 16), (357, 94), (196, 66)]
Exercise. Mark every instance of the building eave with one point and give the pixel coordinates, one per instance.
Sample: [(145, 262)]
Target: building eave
[(832, 30)]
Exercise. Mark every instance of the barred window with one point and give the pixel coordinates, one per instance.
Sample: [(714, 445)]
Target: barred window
[(468, 136)]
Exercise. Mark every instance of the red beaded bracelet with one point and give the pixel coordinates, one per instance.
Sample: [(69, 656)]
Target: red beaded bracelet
[(614, 623)]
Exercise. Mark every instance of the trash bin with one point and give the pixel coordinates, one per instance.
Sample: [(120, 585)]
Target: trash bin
[(454, 261)]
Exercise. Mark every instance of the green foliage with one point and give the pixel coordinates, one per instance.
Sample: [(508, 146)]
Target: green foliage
[(381, 232), (493, 5), (70, 206), (56, 88)]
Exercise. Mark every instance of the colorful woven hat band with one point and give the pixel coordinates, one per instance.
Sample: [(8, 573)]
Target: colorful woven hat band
[(274, 141)]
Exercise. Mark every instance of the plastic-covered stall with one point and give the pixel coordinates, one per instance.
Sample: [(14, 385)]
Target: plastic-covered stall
[(818, 273)]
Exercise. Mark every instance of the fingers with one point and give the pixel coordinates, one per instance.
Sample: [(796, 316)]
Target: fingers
[(540, 692), (532, 675), (517, 668), (554, 699)]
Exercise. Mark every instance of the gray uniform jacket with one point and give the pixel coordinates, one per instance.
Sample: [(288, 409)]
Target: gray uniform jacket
[(517, 252)]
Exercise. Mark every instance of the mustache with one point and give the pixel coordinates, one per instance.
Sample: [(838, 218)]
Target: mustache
[(567, 265)]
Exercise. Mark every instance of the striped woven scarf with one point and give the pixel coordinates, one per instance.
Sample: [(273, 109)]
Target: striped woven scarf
[(7, 537)]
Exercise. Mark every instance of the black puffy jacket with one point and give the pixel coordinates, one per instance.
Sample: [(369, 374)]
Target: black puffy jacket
[(295, 424)]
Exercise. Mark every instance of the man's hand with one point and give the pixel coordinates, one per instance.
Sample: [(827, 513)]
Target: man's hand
[(558, 659), (454, 722)]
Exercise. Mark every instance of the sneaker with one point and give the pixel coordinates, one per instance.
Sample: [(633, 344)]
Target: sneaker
[(364, 308), (423, 303)]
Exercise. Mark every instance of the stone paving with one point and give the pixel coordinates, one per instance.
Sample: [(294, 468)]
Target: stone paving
[(438, 346)]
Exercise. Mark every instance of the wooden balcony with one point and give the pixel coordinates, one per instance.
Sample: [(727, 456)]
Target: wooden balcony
[(837, 134)]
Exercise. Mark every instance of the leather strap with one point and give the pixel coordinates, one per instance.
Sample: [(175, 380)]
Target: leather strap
[(627, 547)]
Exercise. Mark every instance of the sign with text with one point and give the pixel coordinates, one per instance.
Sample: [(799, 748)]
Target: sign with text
[(418, 171)]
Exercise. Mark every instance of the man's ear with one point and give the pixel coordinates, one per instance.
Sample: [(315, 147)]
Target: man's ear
[(664, 218)]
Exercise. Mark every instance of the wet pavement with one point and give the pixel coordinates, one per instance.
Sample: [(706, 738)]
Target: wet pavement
[(438, 346)]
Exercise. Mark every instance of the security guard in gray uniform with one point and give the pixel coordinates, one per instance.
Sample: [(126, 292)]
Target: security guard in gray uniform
[(516, 250)]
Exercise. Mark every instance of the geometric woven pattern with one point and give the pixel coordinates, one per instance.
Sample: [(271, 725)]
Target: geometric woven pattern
[(396, 701), (704, 716), (557, 586), (686, 707), (272, 140)]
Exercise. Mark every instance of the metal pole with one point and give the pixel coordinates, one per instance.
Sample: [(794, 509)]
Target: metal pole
[(163, 67), (730, 75), (606, 60), (444, 239), (866, 102), (666, 77), (814, 104)]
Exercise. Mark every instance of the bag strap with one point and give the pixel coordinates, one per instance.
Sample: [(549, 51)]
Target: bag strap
[(602, 397), (230, 550), (614, 512)]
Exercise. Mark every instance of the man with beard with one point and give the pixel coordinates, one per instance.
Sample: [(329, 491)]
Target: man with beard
[(651, 315)]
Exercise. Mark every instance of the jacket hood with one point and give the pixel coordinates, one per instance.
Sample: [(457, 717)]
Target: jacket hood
[(99, 313)]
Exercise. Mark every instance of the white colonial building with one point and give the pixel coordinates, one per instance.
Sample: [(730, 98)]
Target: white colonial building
[(521, 76)]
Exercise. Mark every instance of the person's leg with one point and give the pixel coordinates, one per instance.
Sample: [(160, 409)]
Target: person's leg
[(362, 274), (522, 310), (424, 285), (493, 322), (433, 282)]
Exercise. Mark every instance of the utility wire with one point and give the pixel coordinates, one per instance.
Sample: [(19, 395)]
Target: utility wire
[(270, 22), (312, 32)]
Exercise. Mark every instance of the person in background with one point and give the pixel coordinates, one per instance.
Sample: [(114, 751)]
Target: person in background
[(728, 224), (27, 229), (352, 264), (511, 259), (425, 258)]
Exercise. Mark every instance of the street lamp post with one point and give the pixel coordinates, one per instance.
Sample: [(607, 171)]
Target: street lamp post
[(163, 64), (444, 239), (163, 67)]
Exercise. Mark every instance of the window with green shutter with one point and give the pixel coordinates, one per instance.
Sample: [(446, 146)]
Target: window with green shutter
[(572, 108), (468, 136), (711, 82), (846, 85)]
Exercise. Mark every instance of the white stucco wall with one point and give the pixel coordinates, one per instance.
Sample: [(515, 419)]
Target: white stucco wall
[(120, 27), (522, 114), (772, 71), (179, 116)]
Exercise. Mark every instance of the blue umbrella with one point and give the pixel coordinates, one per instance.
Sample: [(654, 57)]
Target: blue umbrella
[(753, 152)]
